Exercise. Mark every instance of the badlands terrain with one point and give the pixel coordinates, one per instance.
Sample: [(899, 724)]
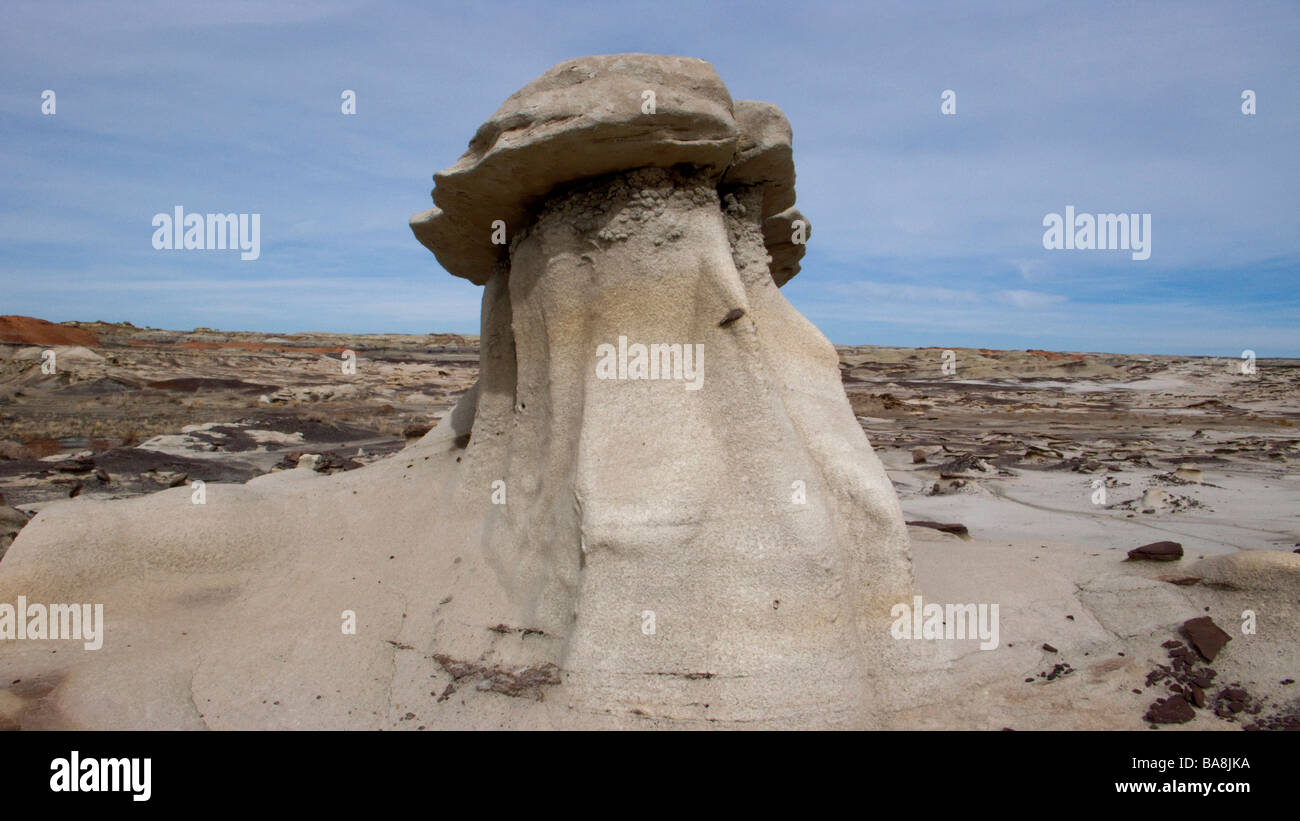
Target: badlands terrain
[(1032, 473), (1014, 444), (129, 410)]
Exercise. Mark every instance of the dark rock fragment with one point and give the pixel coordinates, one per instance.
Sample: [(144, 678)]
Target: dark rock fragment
[(1206, 636), (1157, 552), (732, 316), (946, 527), (1172, 710)]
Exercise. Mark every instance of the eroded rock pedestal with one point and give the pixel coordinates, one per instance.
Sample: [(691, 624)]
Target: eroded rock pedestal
[(573, 546), (746, 521)]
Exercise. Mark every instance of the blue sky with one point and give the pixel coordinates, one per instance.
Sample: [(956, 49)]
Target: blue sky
[(927, 229)]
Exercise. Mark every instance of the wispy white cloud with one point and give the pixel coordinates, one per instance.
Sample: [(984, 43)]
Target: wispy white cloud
[(234, 107), (1029, 299)]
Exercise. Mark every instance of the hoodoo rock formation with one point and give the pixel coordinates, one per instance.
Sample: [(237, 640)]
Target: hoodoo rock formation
[(655, 507)]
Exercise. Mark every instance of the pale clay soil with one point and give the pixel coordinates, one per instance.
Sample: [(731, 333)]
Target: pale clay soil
[(1076, 460)]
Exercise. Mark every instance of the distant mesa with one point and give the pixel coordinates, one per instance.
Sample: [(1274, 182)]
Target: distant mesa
[(26, 330)]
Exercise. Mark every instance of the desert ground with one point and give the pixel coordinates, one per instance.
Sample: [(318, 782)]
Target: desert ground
[(1033, 475), (140, 409)]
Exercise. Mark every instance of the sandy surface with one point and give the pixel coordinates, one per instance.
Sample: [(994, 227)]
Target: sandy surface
[(1016, 446)]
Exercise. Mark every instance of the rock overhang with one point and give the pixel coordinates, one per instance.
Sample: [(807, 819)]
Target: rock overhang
[(594, 116)]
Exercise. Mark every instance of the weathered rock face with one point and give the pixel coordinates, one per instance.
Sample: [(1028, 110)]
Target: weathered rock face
[(655, 508), (748, 515), (593, 116)]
